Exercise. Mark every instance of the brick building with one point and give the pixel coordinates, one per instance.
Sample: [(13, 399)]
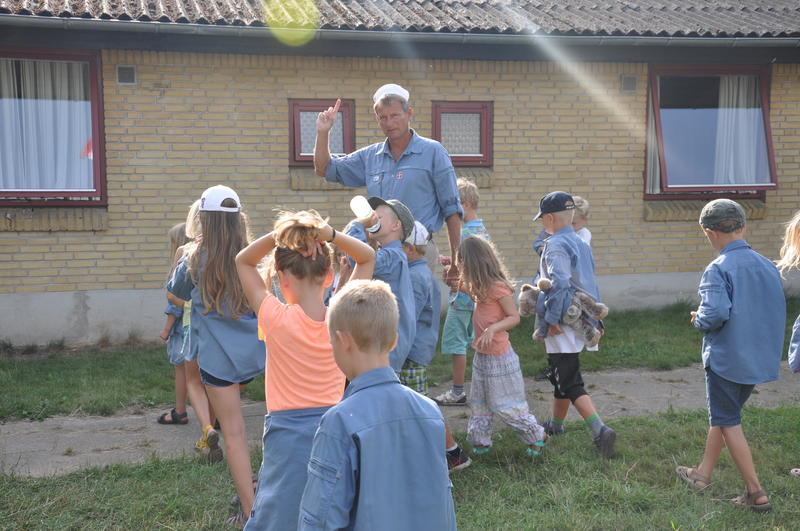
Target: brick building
[(619, 103)]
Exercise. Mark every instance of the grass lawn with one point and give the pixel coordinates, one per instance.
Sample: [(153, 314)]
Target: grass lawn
[(570, 487), (100, 381)]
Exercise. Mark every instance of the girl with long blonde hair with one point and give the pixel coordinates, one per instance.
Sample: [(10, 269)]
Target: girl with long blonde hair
[(224, 332)]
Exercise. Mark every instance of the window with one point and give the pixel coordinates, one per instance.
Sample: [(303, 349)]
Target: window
[(303, 130), (51, 148), (708, 130), (465, 130)]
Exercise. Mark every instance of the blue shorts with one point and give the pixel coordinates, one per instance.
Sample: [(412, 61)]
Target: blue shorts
[(457, 331), (725, 399), (213, 381), (175, 343), (187, 351), (288, 436)]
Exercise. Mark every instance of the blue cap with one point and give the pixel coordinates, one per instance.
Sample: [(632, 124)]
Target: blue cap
[(554, 202)]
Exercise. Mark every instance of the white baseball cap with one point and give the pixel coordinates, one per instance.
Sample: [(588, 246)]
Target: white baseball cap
[(212, 198), (418, 236), (390, 88)]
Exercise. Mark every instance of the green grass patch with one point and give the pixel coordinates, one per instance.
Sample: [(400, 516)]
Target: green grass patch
[(94, 381), (570, 487)]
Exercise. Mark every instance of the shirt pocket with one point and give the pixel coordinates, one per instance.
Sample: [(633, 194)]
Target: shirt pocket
[(317, 498)]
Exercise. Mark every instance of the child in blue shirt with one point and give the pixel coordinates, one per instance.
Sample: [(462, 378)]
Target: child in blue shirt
[(742, 312), (391, 265), (426, 311), (351, 483)]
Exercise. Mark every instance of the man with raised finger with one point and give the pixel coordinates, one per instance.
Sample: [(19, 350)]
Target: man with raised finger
[(406, 166)]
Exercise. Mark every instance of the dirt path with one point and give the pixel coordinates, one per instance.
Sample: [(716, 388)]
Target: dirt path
[(68, 443)]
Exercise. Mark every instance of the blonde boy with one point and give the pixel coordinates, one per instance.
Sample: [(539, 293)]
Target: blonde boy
[(352, 482)]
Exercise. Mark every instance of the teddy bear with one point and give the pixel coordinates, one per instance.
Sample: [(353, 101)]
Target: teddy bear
[(581, 306)]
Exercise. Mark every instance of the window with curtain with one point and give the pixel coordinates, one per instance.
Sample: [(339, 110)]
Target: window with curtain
[(48, 147), (708, 130), (465, 130), (303, 130)]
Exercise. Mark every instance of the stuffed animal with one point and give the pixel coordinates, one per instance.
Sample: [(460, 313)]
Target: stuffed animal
[(582, 307)]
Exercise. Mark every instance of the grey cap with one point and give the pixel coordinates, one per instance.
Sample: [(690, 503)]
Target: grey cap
[(722, 215), (402, 212)]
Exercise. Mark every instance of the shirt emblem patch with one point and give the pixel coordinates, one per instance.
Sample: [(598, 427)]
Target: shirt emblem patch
[(399, 175)]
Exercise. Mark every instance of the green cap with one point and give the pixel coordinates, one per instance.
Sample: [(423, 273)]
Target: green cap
[(723, 215)]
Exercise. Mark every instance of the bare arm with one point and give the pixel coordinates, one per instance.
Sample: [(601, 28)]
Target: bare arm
[(247, 266), (453, 222), (506, 323), (362, 254), (322, 153)]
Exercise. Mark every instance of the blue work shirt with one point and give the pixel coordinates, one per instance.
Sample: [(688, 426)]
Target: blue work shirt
[(743, 313), (226, 348), (426, 291), (391, 266), (378, 461), (423, 178), (568, 262), (461, 300)]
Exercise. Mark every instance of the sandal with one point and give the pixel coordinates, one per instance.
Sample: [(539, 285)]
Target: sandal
[(536, 452), (691, 476), (795, 472), (237, 520), (749, 500), (174, 417)]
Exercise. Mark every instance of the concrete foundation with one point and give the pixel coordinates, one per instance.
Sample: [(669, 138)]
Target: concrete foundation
[(117, 315)]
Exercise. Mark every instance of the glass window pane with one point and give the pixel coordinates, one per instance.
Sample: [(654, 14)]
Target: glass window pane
[(308, 133), (713, 130), (45, 126), (461, 133)]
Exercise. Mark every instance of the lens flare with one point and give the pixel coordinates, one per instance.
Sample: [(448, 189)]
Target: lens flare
[(293, 22)]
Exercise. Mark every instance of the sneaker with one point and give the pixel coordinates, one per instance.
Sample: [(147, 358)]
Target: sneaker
[(212, 440), (550, 429), (605, 442), (544, 374), (458, 461), (450, 398), (201, 445)]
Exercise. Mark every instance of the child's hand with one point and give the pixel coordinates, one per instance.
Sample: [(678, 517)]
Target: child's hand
[(694, 317), (368, 221), (485, 341), (164, 335), (444, 260), (554, 330)]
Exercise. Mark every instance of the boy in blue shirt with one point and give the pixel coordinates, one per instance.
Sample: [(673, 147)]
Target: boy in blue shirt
[(742, 312), (351, 483), (391, 265), (426, 311)]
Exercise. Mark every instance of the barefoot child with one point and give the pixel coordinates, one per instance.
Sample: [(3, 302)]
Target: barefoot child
[(742, 312), (497, 385), (790, 259), (377, 461), (224, 330), (302, 379)]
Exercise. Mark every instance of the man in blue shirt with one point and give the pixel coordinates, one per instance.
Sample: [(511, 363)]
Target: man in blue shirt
[(742, 312), (377, 461), (406, 166)]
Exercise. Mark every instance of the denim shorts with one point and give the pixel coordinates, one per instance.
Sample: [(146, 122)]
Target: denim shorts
[(213, 381), (725, 399), (457, 331)]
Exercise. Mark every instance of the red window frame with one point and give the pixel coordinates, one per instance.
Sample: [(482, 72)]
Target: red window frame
[(296, 106), (485, 109), (680, 192), (99, 196)]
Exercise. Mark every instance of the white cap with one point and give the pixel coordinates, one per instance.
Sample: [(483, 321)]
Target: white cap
[(418, 236), (212, 198), (390, 88)]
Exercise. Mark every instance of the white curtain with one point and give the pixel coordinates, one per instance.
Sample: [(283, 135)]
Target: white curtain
[(739, 131), (45, 123), (653, 185)]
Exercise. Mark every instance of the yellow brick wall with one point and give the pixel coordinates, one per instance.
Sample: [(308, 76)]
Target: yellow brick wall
[(195, 120)]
